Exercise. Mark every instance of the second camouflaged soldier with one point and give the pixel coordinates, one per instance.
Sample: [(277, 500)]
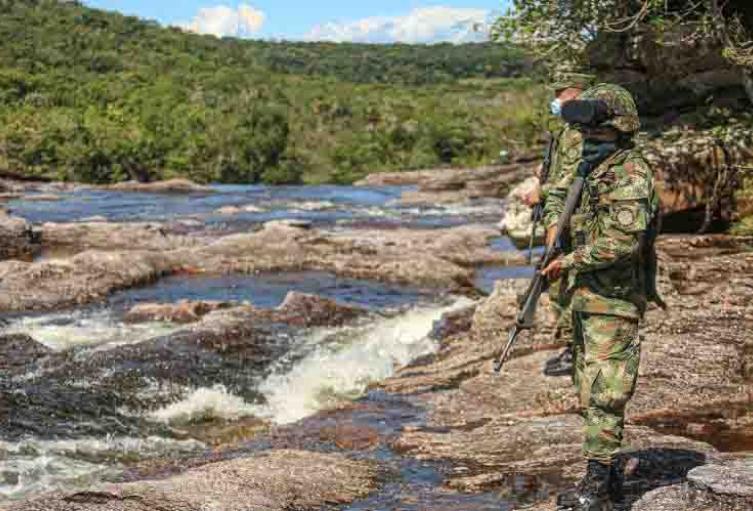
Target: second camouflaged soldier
[(567, 86), (607, 278)]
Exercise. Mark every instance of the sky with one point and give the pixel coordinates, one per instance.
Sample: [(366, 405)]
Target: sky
[(383, 21)]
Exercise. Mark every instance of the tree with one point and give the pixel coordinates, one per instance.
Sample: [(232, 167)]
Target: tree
[(561, 30)]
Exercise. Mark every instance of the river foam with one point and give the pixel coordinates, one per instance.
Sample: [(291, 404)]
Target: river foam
[(204, 404), (33, 466), (85, 328), (340, 363)]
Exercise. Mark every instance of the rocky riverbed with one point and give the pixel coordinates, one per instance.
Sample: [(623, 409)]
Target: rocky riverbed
[(309, 348)]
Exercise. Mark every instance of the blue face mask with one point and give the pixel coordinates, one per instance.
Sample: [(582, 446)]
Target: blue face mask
[(556, 107)]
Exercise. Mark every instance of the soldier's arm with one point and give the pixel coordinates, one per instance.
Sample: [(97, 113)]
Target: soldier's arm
[(620, 224)]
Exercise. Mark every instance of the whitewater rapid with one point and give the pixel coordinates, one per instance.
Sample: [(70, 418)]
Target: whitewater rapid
[(340, 363)]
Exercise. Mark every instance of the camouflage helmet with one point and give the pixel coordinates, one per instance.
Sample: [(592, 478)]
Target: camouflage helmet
[(565, 80), (621, 105)]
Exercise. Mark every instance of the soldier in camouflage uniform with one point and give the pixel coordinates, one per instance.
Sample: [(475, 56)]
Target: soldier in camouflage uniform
[(566, 156), (606, 277)]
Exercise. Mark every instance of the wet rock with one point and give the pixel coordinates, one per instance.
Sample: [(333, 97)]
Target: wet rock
[(178, 185), (467, 356), (351, 437), (185, 311), (517, 223), (453, 323), (83, 391), (19, 352), (274, 480), (301, 309), (17, 239)]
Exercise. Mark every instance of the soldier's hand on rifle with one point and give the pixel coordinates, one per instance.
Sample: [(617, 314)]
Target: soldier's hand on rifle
[(553, 270), (532, 197)]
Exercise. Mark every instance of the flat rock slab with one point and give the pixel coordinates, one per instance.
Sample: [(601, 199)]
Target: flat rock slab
[(429, 258), (723, 485), (730, 483), (276, 480)]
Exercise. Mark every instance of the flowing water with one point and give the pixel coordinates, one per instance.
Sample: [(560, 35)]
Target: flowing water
[(229, 208), (314, 369)]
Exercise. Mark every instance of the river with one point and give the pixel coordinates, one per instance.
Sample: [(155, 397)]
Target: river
[(312, 369)]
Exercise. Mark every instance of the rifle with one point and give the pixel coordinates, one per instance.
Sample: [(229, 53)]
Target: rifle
[(593, 156), (538, 210)]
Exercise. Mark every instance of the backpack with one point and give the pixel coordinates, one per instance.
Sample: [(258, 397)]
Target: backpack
[(649, 260)]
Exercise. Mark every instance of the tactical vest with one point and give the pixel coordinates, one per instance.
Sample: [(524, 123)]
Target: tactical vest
[(624, 287)]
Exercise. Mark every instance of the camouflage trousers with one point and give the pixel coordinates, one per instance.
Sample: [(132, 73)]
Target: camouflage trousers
[(607, 353), (560, 301)]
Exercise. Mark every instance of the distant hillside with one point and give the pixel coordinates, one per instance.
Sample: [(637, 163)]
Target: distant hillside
[(395, 63), (95, 96)]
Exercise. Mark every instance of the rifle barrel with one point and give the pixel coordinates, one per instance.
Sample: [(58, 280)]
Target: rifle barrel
[(506, 352)]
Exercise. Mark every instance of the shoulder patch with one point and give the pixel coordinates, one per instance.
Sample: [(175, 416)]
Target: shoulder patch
[(626, 217)]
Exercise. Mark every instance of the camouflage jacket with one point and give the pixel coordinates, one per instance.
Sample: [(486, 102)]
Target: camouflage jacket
[(605, 272), (569, 148)]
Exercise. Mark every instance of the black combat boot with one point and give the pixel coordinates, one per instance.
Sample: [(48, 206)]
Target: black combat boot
[(616, 481), (592, 493), (560, 365)]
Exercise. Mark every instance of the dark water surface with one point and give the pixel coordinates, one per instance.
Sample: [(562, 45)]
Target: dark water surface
[(269, 290)]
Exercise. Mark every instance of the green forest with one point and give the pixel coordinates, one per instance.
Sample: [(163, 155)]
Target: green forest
[(99, 97)]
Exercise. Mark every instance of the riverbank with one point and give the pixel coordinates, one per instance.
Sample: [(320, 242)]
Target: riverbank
[(371, 390), (513, 438)]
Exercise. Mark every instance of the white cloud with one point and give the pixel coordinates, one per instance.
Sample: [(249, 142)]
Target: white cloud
[(421, 25), (222, 20)]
